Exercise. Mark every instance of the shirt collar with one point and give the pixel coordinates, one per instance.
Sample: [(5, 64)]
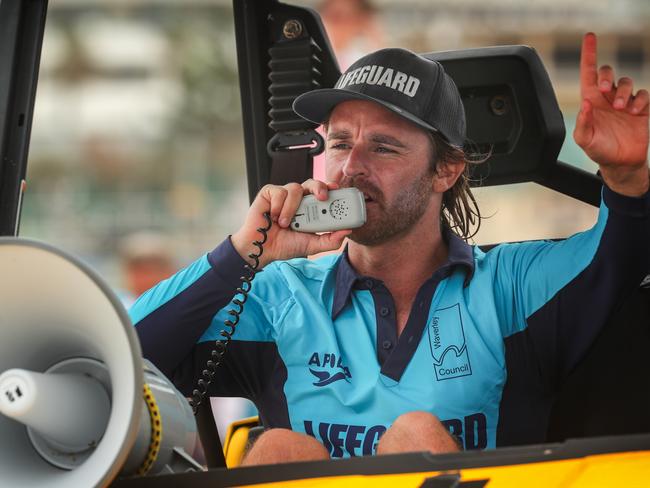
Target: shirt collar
[(460, 254)]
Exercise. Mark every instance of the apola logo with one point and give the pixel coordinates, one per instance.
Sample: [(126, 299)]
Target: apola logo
[(328, 361)]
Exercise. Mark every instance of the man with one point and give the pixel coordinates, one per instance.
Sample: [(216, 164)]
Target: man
[(146, 260), (411, 339)]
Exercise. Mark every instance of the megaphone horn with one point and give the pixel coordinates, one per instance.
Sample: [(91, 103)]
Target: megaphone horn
[(73, 383)]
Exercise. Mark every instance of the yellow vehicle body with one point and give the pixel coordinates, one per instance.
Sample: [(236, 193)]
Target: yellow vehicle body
[(606, 470)]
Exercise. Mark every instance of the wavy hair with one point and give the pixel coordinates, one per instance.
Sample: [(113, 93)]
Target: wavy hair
[(460, 212)]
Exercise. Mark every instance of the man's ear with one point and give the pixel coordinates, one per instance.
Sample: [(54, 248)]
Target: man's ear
[(446, 174)]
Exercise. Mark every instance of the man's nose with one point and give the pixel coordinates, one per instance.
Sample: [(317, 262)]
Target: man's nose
[(356, 162)]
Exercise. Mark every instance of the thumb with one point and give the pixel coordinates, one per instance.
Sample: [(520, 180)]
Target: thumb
[(328, 242), (584, 130)]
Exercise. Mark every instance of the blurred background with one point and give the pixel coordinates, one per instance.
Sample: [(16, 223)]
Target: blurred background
[(137, 121), (137, 161)]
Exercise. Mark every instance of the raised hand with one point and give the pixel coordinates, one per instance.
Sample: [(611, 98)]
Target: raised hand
[(281, 202), (612, 126)]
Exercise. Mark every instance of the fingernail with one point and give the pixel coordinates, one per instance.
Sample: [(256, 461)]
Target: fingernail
[(618, 103), (284, 222), (605, 85)]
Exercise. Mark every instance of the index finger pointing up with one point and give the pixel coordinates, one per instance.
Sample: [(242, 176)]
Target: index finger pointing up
[(588, 70)]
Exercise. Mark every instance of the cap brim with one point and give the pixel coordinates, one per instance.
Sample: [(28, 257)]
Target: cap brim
[(317, 105)]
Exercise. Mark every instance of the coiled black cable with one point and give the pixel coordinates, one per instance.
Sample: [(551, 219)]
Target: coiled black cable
[(220, 346)]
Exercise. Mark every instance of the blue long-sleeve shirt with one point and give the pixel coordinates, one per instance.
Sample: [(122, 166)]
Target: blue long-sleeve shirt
[(489, 338)]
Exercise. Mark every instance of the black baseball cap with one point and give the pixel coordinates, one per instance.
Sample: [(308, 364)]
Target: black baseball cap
[(406, 83)]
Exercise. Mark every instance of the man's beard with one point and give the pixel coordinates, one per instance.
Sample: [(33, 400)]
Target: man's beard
[(391, 219)]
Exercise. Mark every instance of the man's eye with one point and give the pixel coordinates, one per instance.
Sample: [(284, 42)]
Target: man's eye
[(384, 150), (339, 145)]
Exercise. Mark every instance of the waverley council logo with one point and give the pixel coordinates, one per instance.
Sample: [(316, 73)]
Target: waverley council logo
[(447, 343)]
